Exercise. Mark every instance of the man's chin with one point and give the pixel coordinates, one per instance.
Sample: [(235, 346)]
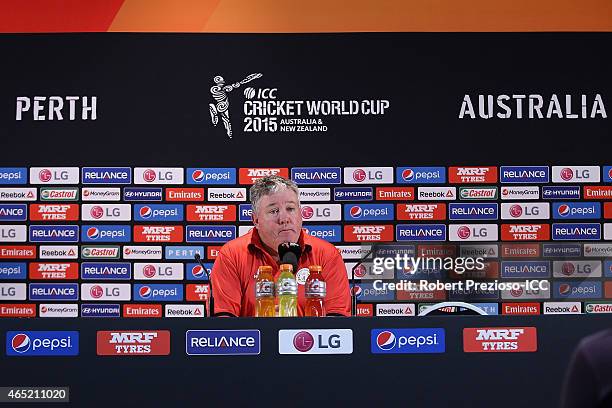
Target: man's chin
[(288, 236)]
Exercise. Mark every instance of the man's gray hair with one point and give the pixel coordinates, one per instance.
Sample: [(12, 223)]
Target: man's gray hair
[(270, 185)]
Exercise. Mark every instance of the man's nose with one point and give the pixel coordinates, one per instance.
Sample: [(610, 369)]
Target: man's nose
[(284, 217)]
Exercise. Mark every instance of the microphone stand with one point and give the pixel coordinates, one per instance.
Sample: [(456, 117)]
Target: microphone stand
[(211, 299)]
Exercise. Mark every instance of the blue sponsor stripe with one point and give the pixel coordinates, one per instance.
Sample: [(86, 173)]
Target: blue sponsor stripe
[(202, 274), (607, 174), (577, 290), (158, 292), (576, 210), (100, 310), (420, 232), (13, 270), (408, 341), (222, 342), (525, 269), (316, 175), (183, 252), (353, 193), (420, 175), (244, 212), (369, 212), (13, 175), (42, 343), (13, 212), (106, 175), (560, 192), (106, 270), (524, 174), (106, 233), (54, 233), (54, 291), (158, 212), (211, 175), (576, 232), (210, 234), (367, 292), (473, 211), (608, 269), (330, 233), (142, 194)]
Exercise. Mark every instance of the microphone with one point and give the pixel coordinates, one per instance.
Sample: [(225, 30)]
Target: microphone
[(289, 253), (353, 296), (211, 299)]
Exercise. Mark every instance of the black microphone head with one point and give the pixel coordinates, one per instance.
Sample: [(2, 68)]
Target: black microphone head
[(289, 253), (197, 257), (291, 259)]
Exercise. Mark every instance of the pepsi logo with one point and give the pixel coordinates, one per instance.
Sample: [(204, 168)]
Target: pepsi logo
[(356, 211), (386, 340), (359, 175), (610, 173), (516, 292), (149, 175), (516, 211), (563, 210), (21, 343), (44, 175), (568, 268), (408, 174), (96, 291), (357, 291), (93, 233), (303, 341), (145, 212), (149, 271), (567, 174), (197, 175), (464, 232), (564, 289), (96, 212), (197, 271), (360, 271), (145, 292), (307, 212)]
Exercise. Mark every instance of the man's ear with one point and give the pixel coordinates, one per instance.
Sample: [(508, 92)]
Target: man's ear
[(254, 218)]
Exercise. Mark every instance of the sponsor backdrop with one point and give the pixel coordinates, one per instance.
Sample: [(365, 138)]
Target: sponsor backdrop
[(116, 172), (124, 155)]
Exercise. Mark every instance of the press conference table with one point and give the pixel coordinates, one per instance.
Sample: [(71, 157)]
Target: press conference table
[(452, 378)]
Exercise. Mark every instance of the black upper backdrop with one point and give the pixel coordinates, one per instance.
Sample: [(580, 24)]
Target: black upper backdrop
[(153, 95)]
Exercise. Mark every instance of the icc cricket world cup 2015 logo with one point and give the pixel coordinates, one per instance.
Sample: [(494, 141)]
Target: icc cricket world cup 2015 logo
[(220, 109)]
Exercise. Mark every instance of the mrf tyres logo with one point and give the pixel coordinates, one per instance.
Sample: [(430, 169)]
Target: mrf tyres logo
[(265, 111), (500, 339)]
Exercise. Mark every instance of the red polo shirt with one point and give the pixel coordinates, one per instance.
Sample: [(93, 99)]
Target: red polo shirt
[(233, 274)]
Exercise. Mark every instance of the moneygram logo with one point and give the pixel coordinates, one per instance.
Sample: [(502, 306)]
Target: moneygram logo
[(408, 341)]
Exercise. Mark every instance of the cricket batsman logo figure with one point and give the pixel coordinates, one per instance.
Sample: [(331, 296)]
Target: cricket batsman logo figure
[(220, 107)]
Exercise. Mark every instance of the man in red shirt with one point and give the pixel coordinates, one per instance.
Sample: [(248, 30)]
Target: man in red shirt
[(277, 219)]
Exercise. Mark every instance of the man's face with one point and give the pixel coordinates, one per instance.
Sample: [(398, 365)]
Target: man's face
[(278, 218)]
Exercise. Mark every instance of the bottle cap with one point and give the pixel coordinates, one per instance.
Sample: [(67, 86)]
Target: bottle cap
[(265, 268), (285, 267)]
